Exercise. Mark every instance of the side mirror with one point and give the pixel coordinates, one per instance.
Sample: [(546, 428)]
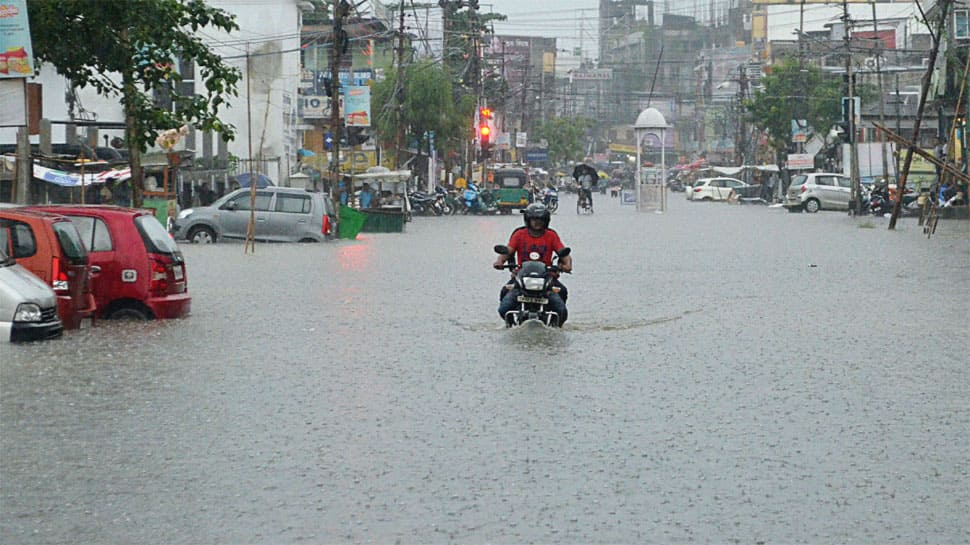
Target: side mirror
[(502, 249), (564, 252), (231, 205)]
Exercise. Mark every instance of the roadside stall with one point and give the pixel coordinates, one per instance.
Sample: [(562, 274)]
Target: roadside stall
[(388, 208)]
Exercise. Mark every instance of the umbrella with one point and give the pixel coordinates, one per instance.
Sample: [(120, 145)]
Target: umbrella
[(261, 180), (582, 169)]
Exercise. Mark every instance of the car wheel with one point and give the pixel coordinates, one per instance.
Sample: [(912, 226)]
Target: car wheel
[(812, 206), (202, 235), (308, 239), (129, 313), (707, 198)]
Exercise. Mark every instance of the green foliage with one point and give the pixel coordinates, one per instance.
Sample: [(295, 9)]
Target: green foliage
[(565, 137), (790, 93), (428, 105), (91, 43)]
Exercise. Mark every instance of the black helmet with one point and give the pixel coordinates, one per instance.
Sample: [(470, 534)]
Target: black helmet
[(537, 211)]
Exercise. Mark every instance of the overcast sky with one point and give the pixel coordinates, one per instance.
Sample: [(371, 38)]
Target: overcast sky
[(574, 22)]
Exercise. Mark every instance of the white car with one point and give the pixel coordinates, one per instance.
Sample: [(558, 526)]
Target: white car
[(714, 189)]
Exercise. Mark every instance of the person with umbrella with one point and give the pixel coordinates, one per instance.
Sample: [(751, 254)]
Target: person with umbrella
[(587, 177)]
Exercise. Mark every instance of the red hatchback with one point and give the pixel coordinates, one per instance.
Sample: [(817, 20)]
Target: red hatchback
[(50, 246), (137, 270)]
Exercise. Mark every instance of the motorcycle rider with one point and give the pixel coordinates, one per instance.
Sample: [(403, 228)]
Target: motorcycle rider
[(535, 241)]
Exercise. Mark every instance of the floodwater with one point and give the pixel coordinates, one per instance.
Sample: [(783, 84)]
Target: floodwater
[(729, 374)]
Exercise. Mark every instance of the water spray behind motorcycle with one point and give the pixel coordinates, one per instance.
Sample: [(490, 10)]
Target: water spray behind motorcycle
[(534, 282)]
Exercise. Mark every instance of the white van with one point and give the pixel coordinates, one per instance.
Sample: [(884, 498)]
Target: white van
[(28, 306)]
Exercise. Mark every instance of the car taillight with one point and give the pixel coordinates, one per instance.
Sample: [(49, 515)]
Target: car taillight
[(326, 225), (697, 190), (59, 279), (159, 277), (803, 189)]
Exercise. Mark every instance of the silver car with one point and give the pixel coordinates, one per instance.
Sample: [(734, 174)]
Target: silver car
[(818, 191), (283, 214), (28, 306)]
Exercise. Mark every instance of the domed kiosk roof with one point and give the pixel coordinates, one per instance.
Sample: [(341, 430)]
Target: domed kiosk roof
[(651, 118)]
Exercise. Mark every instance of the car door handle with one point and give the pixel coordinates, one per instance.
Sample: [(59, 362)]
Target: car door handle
[(95, 269), (301, 221), (260, 219)]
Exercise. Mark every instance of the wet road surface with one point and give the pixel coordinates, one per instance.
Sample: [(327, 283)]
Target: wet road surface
[(729, 374)]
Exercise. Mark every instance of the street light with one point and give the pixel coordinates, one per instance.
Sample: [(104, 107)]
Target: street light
[(651, 120)]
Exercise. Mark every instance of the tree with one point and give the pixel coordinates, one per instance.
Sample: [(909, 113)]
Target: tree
[(428, 105), (565, 137), (794, 92), (93, 43)]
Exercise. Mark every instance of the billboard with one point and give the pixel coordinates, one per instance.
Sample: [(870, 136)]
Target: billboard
[(357, 101), (16, 54)]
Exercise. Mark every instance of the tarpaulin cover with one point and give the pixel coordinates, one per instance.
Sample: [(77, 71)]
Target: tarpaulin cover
[(351, 222)]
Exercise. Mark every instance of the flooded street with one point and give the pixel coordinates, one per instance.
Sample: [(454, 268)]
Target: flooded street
[(729, 374)]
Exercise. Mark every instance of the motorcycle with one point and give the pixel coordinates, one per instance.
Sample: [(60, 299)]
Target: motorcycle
[(534, 281), (424, 204), (550, 198), (475, 201), (445, 201)]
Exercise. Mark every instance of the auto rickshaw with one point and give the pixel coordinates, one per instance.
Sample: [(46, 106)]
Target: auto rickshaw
[(512, 189)]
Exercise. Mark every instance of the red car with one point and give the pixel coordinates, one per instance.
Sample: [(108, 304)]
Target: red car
[(50, 246), (137, 270)]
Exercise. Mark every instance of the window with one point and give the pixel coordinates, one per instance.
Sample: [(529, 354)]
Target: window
[(824, 180), (293, 204), (155, 237), (961, 24), (844, 182), (262, 201), (17, 239), (70, 242), (94, 233)]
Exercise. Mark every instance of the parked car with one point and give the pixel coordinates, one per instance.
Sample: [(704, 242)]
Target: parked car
[(137, 269), (283, 214), (28, 306), (714, 189), (818, 191), (49, 246)]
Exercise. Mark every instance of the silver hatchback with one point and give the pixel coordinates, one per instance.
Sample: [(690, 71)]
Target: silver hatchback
[(282, 214), (818, 191)]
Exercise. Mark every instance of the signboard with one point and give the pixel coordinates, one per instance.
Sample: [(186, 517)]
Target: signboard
[(318, 107), (16, 53), (799, 131), (801, 161), (628, 196), (357, 102), (13, 98), (521, 139), (594, 74), (537, 156)]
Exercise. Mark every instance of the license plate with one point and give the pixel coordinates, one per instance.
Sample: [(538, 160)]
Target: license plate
[(527, 299), (177, 270)]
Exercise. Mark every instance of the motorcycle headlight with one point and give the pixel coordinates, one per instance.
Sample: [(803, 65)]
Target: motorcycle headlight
[(185, 213), (533, 284), (27, 312)]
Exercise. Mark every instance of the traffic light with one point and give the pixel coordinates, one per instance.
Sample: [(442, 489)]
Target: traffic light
[(484, 130), (485, 137)]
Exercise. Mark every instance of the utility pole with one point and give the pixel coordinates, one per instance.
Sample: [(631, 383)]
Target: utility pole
[(251, 228), (899, 129), (855, 202), (340, 8), (742, 92), (399, 92), (882, 95), (937, 38)]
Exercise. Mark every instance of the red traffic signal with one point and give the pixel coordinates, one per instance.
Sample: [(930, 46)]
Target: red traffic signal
[(484, 137)]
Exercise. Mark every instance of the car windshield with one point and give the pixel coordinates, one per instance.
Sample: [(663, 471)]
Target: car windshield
[(798, 180), (70, 241), (156, 238)]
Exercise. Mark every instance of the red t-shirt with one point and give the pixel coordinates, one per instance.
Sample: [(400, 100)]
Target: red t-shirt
[(530, 248)]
